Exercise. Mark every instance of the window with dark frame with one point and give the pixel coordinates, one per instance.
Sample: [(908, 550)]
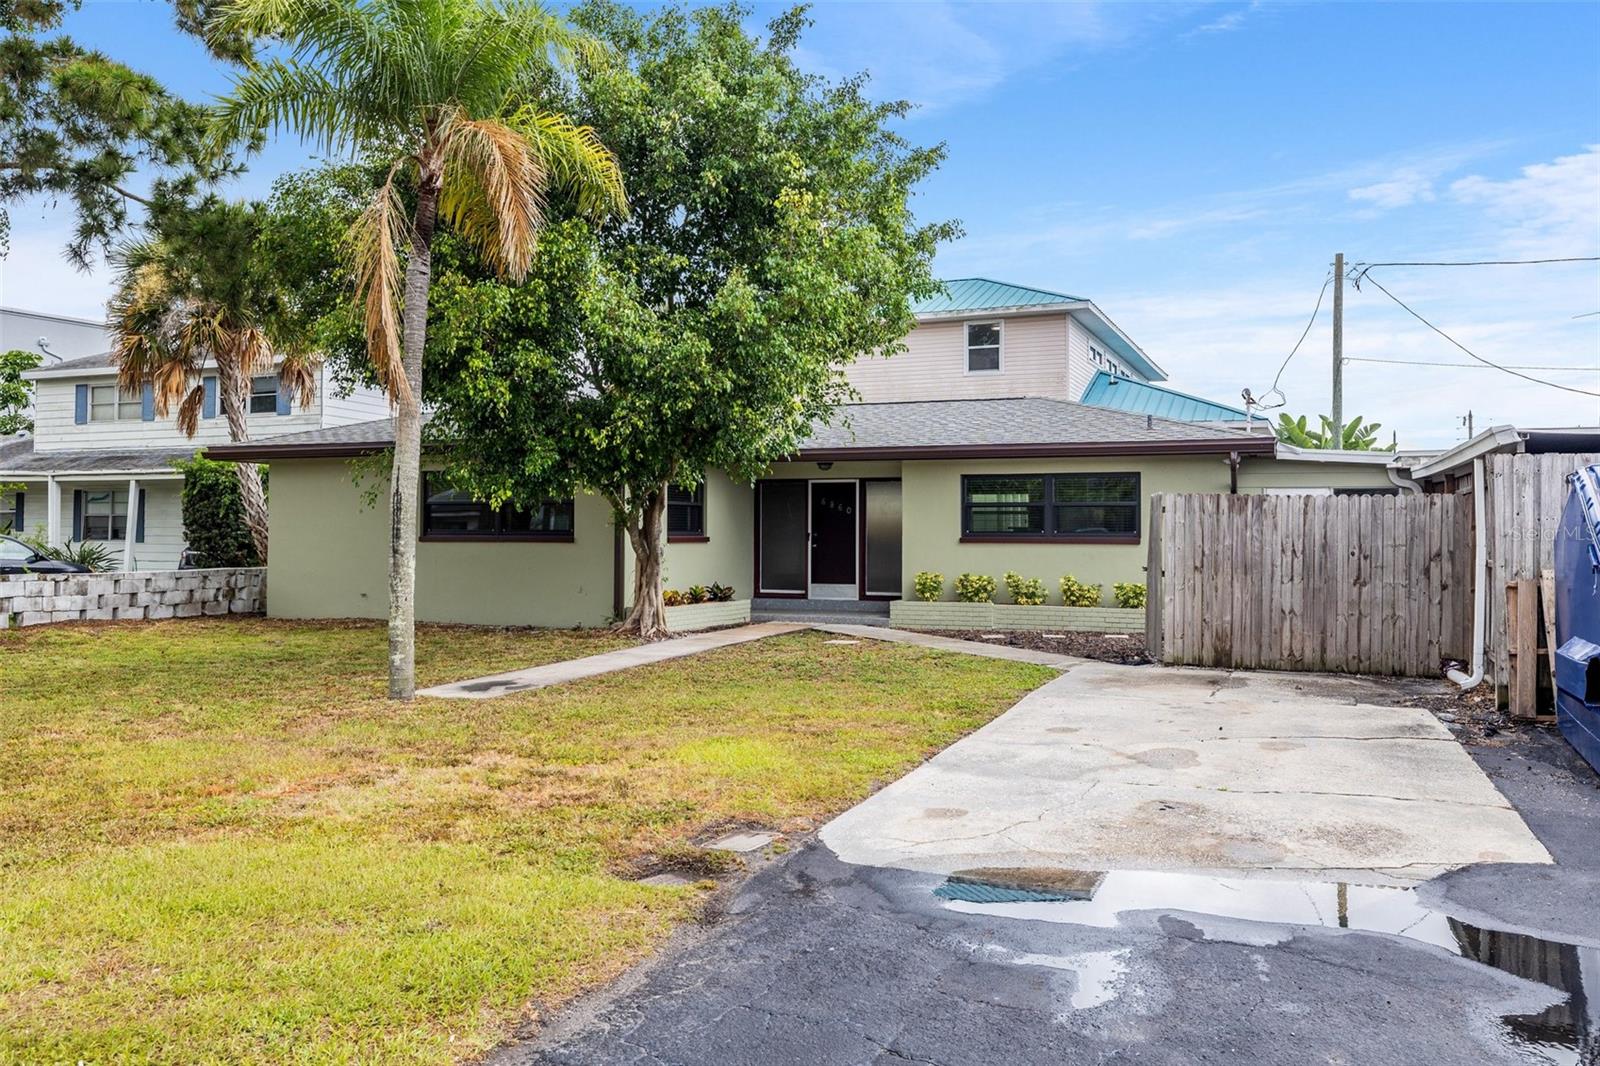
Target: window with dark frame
[(448, 512), (1063, 506), (983, 347), (686, 511)]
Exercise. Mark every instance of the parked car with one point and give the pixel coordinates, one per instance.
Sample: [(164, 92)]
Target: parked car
[(20, 557)]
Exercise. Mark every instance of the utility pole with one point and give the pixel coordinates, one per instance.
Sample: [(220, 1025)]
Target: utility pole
[(1338, 350)]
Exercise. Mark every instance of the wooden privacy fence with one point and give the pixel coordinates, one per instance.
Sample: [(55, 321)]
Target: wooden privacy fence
[(1354, 584), (1525, 495)]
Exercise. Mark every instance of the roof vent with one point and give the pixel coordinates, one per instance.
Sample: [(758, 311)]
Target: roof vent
[(1149, 421)]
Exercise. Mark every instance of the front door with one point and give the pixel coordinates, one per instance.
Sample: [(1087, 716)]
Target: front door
[(833, 540)]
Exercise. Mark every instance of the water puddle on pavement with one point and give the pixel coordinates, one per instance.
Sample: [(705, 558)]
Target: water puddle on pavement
[(1261, 913)]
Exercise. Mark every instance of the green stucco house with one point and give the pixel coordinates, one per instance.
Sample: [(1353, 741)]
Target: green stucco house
[(971, 453)]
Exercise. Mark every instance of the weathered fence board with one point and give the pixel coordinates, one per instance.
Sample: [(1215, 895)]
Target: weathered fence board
[(1359, 584), (1525, 497)]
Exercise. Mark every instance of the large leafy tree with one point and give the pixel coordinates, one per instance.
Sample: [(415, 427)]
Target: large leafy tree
[(77, 124), (203, 298), (16, 393), (443, 94), (770, 243)]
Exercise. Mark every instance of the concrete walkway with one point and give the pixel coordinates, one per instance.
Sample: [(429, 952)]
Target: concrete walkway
[(967, 647), (1152, 768), (482, 688)]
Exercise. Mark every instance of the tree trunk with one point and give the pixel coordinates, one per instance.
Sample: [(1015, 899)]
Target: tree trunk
[(648, 616), (405, 474), (233, 392)]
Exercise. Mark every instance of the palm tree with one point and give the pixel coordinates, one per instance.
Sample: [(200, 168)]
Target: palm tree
[(437, 89), (196, 301)]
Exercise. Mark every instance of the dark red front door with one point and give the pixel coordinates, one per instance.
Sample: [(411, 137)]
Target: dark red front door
[(833, 533)]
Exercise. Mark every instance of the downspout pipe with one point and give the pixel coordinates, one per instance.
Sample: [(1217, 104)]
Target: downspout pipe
[(1403, 483), (1480, 582)]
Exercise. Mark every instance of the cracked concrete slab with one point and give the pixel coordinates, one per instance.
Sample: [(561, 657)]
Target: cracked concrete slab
[(1116, 767)]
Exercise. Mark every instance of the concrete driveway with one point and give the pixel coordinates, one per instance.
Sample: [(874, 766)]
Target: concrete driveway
[(1150, 768), (1276, 783)]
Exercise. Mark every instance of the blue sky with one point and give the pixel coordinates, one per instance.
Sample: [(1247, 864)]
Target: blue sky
[(1192, 168)]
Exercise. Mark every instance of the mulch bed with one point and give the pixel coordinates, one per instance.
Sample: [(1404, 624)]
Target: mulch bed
[(1127, 650)]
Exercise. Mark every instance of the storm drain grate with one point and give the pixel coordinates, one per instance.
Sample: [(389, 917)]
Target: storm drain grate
[(978, 892)]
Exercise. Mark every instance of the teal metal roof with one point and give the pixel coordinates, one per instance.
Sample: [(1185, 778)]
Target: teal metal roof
[(1125, 394), (984, 294)]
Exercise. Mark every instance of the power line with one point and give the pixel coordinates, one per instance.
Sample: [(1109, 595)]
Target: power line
[(1476, 263), (1468, 366), (1303, 335), (1473, 354)]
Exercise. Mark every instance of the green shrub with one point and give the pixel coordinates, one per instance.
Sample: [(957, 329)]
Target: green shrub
[(671, 598), (696, 594), (96, 556), (1128, 594), (1075, 593), (213, 515), (1026, 591), (929, 585), (975, 588), (720, 593)]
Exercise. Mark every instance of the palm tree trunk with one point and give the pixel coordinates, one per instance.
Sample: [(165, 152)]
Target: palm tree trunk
[(232, 388), (648, 616), (406, 473)]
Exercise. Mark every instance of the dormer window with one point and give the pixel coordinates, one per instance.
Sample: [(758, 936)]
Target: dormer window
[(107, 403), (264, 395), (983, 347)]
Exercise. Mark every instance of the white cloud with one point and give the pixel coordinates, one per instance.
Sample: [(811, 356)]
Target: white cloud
[(1551, 208), (943, 53), (1228, 22), (1407, 186)]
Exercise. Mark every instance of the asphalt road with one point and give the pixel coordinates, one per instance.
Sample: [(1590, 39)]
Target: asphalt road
[(820, 962)]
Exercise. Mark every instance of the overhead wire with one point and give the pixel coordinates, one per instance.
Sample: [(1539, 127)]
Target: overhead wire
[(1315, 311), (1466, 366), (1487, 362)]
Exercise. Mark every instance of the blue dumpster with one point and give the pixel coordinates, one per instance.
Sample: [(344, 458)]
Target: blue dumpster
[(1577, 565)]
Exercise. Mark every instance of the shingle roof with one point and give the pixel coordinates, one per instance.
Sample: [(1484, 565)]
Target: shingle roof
[(1125, 394), (985, 294), (1003, 423), (927, 428), (84, 362), (18, 458)]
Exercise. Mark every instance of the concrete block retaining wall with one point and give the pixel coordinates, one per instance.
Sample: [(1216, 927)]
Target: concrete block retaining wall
[(37, 599), (707, 615), (916, 614)]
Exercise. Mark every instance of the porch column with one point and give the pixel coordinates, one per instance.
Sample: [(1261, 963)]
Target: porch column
[(133, 518), (52, 511)]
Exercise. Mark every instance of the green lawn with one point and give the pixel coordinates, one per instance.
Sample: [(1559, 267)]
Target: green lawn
[(219, 843)]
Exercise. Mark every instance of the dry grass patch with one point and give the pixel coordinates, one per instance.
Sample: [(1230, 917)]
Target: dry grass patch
[(219, 843)]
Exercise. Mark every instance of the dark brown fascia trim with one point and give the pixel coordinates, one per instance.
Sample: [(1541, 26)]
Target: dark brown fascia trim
[(255, 453), (1261, 446)]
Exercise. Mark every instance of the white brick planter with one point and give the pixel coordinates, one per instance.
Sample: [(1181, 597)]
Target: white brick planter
[(35, 599), (693, 616), (915, 614)]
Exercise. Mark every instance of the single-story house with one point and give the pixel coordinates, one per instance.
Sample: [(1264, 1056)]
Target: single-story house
[(1042, 486)]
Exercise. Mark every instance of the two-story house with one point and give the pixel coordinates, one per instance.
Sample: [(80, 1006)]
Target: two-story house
[(98, 466), (984, 340)]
